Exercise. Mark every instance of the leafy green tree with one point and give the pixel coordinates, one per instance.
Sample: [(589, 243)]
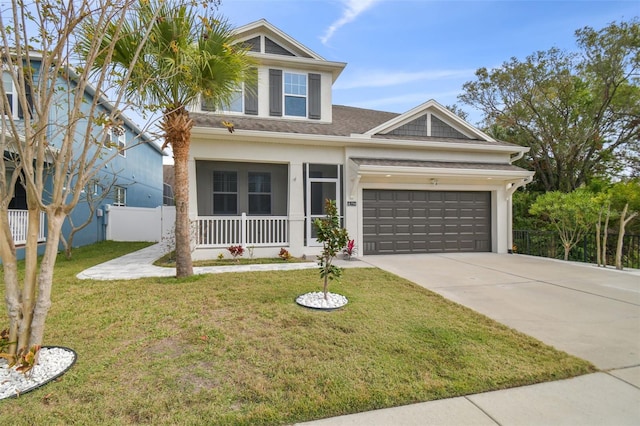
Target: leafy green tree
[(333, 238), (579, 112), (188, 54), (571, 214)]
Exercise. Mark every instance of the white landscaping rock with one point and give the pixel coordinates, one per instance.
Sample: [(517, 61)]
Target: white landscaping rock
[(316, 300), (52, 362)]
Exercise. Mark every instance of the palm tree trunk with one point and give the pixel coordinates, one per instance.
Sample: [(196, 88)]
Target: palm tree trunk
[(177, 126)]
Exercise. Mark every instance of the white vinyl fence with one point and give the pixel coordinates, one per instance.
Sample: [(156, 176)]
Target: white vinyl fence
[(138, 223)]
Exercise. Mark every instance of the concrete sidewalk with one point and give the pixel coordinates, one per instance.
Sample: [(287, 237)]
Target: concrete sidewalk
[(589, 312)]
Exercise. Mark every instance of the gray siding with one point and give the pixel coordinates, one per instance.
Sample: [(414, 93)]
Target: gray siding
[(441, 129), (417, 127), (279, 185), (253, 44), (272, 47)]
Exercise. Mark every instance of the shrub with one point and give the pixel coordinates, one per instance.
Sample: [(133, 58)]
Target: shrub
[(284, 254), (236, 251)]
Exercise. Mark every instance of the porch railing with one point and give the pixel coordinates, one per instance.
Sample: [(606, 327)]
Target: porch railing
[(257, 231), (18, 221)]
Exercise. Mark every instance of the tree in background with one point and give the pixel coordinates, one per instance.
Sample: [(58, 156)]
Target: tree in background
[(188, 55), (578, 112), (625, 198), (53, 159), (572, 214)]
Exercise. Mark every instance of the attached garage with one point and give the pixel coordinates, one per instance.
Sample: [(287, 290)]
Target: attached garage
[(409, 221)]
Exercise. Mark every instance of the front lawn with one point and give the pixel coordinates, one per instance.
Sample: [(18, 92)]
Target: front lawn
[(235, 349)]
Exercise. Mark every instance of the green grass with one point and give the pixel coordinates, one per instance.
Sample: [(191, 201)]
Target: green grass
[(234, 349)]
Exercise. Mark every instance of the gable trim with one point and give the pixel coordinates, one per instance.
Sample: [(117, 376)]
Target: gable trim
[(461, 125)]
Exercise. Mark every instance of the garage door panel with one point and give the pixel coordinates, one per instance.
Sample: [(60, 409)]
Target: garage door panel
[(426, 221)]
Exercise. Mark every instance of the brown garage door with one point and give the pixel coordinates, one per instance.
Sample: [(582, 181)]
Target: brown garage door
[(426, 221)]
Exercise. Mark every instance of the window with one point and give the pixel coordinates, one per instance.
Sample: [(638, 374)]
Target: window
[(116, 138), (236, 103), (225, 193), (120, 196), (259, 193), (295, 94), (9, 91)]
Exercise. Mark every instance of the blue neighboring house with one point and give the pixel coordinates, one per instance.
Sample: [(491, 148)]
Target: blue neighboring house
[(134, 177)]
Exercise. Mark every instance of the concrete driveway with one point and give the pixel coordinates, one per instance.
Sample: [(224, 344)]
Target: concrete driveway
[(590, 312)]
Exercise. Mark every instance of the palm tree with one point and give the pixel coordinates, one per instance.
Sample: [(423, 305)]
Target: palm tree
[(179, 55)]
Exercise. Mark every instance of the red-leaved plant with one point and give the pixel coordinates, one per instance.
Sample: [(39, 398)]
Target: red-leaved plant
[(236, 251)]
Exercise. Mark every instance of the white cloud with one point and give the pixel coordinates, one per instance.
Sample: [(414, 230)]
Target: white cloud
[(381, 78), (353, 8)]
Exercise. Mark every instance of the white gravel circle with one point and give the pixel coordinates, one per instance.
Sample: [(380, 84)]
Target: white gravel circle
[(52, 362), (316, 300)]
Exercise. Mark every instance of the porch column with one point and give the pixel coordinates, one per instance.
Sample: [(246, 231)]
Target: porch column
[(296, 209)]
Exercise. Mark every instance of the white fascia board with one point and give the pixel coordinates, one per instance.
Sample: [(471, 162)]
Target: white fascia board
[(308, 64), (442, 172)]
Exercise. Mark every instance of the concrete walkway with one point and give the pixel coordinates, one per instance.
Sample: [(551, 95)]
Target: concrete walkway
[(139, 264), (590, 312)]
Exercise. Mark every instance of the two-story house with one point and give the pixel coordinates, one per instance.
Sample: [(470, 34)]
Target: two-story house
[(424, 181), (132, 178)]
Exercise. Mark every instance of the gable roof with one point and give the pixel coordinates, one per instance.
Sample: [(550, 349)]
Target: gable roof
[(264, 27), (442, 113), (288, 51)]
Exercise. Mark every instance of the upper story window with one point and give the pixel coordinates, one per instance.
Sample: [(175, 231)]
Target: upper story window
[(236, 103), (13, 99), (116, 138), (295, 94), (9, 91), (119, 196)]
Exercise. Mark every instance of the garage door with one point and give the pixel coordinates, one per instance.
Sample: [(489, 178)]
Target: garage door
[(426, 221)]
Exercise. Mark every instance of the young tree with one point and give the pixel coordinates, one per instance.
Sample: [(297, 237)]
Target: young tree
[(625, 197), (572, 215), (53, 146), (189, 55), (333, 238), (578, 112)]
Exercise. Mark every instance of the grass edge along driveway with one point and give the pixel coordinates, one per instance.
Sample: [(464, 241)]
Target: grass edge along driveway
[(235, 349)]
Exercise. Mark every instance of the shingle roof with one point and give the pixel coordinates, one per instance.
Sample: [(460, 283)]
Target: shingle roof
[(346, 121)]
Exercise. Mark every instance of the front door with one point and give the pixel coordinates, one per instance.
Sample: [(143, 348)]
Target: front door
[(322, 183)]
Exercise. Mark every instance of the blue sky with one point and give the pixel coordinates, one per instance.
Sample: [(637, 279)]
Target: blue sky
[(401, 53)]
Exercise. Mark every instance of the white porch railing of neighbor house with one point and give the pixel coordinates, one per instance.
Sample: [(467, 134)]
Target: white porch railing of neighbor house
[(257, 231), (18, 221)]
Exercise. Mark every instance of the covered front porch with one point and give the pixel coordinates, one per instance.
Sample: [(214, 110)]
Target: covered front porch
[(263, 207)]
